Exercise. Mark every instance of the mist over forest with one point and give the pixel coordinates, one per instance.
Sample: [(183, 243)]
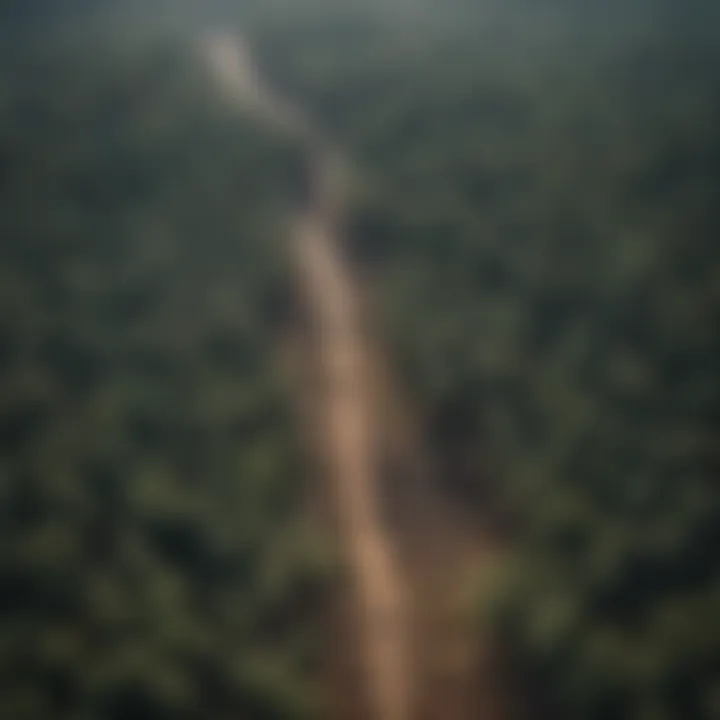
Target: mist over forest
[(534, 221)]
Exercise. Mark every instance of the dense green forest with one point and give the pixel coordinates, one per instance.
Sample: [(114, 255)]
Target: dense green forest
[(537, 211), (152, 561)]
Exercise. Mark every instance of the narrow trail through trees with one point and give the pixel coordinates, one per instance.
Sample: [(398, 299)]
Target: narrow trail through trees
[(404, 551)]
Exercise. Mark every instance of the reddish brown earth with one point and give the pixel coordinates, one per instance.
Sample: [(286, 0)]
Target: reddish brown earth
[(401, 645)]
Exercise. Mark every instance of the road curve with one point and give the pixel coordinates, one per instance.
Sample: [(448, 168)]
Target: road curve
[(346, 402)]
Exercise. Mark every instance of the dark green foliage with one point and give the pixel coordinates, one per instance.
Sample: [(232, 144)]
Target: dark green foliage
[(538, 207), (151, 560)]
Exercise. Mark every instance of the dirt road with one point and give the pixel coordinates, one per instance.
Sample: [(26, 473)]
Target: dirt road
[(406, 549), (379, 584)]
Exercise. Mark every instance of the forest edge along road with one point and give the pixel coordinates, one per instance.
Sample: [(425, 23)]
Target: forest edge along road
[(381, 593), (408, 549)]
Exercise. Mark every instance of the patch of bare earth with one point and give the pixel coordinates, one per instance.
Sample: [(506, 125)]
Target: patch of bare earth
[(385, 494), (400, 639)]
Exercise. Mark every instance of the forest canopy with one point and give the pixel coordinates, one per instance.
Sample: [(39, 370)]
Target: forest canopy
[(537, 212), (152, 562), (536, 215)]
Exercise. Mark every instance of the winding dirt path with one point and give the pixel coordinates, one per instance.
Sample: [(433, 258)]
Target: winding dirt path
[(407, 550), (380, 586), (382, 592)]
